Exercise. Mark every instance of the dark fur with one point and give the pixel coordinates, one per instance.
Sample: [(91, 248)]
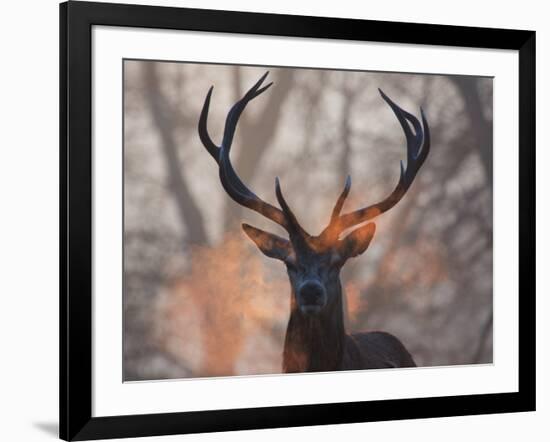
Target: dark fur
[(320, 343)]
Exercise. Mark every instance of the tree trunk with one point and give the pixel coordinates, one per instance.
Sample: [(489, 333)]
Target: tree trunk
[(482, 128), (162, 116)]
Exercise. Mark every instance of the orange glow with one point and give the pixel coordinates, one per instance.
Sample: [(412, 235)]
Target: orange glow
[(355, 304), (228, 302), (228, 314)]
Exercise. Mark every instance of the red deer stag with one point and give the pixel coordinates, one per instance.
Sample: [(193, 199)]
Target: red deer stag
[(316, 339)]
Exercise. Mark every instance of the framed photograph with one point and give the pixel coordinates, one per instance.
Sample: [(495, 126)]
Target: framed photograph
[(219, 270)]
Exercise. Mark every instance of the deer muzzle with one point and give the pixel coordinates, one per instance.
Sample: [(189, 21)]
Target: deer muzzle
[(312, 297)]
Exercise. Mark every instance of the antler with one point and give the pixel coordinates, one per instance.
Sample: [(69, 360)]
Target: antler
[(418, 147), (229, 178)]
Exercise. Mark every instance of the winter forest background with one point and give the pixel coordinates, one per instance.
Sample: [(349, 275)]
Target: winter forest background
[(201, 300)]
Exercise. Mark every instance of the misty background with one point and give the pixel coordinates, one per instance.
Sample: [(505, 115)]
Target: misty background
[(201, 300)]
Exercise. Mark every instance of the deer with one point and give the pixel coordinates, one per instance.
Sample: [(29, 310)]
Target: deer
[(316, 339)]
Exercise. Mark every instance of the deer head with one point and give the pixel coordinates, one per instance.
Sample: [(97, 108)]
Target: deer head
[(313, 262)]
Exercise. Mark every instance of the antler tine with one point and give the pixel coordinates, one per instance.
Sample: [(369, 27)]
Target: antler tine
[(331, 232), (211, 147), (235, 112), (231, 119), (231, 182), (291, 218), (418, 147), (341, 199)]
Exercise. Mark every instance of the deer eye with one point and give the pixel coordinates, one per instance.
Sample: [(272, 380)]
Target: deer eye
[(290, 262), (336, 259)]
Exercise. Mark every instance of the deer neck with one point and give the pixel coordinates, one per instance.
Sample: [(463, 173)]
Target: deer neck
[(315, 343)]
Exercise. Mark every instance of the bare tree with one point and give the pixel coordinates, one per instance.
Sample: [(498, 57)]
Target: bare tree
[(162, 115)]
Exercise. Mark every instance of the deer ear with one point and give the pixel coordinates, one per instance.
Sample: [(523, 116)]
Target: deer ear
[(271, 245), (357, 241)]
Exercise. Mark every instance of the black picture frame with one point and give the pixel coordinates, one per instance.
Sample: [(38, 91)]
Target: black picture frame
[(76, 236)]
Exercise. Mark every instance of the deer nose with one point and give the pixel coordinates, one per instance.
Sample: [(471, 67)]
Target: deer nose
[(312, 293)]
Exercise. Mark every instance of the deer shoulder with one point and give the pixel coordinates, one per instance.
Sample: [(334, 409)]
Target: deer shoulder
[(375, 349)]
